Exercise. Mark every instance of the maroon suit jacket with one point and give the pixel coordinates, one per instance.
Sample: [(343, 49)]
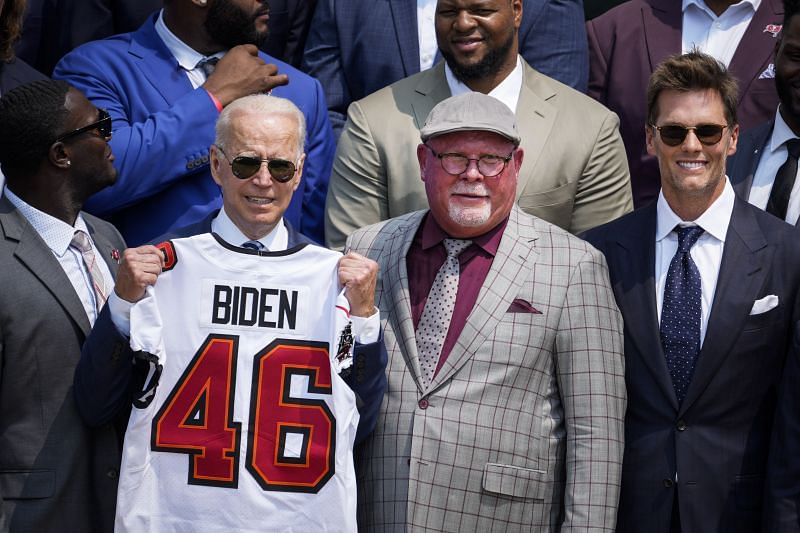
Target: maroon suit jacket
[(629, 41)]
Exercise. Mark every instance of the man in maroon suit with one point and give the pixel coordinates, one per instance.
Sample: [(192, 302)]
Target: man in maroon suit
[(629, 41)]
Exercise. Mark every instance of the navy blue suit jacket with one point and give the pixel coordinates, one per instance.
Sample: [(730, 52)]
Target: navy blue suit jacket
[(741, 166), (163, 129), (356, 47), (717, 440), (105, 378), (15, 73)]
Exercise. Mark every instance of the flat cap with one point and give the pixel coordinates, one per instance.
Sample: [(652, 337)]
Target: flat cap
[(471, 111)]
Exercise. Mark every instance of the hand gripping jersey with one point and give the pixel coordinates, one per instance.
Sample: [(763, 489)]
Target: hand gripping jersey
[(249, 427)]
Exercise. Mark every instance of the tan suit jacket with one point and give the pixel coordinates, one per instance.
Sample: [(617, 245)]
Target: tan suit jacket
[(522, 428), (574, 173)]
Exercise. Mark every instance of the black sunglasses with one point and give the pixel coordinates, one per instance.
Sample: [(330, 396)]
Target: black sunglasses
[(673, 135), (103, 126), (245, 166)]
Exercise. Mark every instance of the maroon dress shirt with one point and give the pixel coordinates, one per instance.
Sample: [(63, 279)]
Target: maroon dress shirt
[(427, 255)]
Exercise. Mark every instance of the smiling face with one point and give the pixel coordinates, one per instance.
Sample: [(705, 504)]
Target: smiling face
[(691, 173), (256, 204), (469, 204), (478, 38), (787, 73)]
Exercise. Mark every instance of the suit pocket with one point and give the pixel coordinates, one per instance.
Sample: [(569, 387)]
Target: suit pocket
[(762, 320), (748, 490), (515, 481), (27, 484)]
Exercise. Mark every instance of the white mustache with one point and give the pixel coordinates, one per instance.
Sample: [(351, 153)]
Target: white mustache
[(478, 189)]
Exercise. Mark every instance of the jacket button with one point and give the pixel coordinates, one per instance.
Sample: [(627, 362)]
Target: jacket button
[(681, 425), (668, 483), (113, 473), (423, 404)]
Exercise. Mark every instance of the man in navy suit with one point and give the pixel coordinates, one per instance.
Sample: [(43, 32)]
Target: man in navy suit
[(629, 41), (356, 47), (164, 93), (708, 289), (257, 159), (755, 168)]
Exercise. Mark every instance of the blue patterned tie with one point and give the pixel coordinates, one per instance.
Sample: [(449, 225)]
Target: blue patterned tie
[(253, 245), (680, 312)]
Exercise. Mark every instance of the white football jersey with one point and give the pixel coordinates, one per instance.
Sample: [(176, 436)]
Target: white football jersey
[(250, 427)]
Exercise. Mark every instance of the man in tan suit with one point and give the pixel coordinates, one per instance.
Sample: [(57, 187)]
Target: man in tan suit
[(506, 396), (575, 173)]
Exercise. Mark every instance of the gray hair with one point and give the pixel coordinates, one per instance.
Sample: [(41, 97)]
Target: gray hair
[(261, 104)]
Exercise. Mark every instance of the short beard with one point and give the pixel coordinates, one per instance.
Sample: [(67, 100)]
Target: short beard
[(489, 65), (230, 26)]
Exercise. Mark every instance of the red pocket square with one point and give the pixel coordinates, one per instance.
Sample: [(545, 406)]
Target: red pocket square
[(521, 306)]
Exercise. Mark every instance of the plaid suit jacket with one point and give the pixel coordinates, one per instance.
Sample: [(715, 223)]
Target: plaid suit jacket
[(522, 428)]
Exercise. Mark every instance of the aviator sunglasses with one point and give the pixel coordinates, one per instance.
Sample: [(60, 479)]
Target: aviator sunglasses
[(103, 126), (245, 166), (707, 134)]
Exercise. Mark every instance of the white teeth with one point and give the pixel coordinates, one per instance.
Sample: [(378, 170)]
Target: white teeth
[(259, 201), (691, 164)]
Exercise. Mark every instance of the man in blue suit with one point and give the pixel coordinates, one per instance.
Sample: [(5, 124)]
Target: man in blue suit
[(257, 159), (708, 289), (356, 47), (164, 93)]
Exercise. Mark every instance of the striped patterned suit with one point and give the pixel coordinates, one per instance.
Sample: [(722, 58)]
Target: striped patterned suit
[(522, 428)]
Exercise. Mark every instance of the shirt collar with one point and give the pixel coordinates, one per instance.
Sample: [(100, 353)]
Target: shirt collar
[(433, 235), (781, 132), (56, 233), (186, 56), (507, 91), (701, 4), (276, 240), (714, 220)]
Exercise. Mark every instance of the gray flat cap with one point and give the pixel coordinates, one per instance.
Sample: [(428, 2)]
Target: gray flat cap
[(471, 111)]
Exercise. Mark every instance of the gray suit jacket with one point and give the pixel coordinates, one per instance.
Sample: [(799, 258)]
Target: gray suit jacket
[(56, 473), (521, 429), (574, 173)]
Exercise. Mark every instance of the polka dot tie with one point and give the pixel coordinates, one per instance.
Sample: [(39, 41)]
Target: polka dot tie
[(680, 312), (435, 319), (80, 241)]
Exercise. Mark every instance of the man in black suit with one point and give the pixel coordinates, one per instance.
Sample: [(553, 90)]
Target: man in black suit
[(707, 285), (56, 268), (763, 170), (13, 71), (250, 130)]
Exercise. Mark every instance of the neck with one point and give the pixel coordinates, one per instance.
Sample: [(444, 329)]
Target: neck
[(719, 6), (57, 203), (792, 121), (188, 27)]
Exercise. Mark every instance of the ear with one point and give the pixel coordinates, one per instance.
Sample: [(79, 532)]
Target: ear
[(58, 155), (516, 5), (734, 140), (519, 155), (649, 140), (422, 157), (299, 172), (214, 161)]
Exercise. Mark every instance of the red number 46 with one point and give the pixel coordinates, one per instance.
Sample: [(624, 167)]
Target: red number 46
[(291, 441)]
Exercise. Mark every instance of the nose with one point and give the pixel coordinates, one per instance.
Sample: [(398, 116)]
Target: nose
[(262, 178), (691, 143), (464, 21), (472, 173)]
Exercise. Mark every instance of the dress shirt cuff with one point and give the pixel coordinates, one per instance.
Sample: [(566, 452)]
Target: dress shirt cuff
[(217, 103), (120, 313), (367, 330)]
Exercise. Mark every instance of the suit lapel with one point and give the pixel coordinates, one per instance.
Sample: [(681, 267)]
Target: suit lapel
[(404, 16), (757, 46), (104, 247), (535, 119), (431, 89), (636, 295), (157, 64), (662, 23), (34, 254), (745, 259), (395, 288), (502, 284), (748, 154)]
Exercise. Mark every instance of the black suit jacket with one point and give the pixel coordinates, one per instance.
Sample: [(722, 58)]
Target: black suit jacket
[(15, 73), (56, 473), (105, 380), (717, 440), (742, 165)]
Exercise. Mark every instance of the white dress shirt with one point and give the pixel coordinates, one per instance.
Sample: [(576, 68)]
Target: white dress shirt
[(426, 33), (718, 36), (186, 56), (507, 91), (57, 235), (365, 330), (772, 159), (706, 252)]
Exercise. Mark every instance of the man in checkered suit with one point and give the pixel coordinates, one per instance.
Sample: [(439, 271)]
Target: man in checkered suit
[(517, 425)]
